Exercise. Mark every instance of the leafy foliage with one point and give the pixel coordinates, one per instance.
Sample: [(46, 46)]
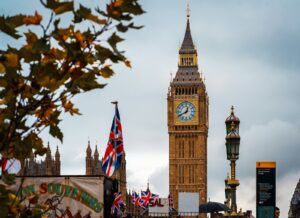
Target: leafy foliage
[(39, 79)]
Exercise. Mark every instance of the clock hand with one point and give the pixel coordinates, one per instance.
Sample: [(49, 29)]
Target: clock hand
[(186, 110)]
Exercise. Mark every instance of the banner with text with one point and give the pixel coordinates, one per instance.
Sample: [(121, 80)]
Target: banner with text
[(65, 196), (159, 207)]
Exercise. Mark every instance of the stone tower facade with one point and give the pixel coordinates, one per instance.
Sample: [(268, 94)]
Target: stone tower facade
[(294, 211), (49, 167), (187, 125), (94, 167)]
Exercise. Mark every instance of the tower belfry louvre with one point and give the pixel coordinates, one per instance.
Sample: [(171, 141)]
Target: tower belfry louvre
[(187, 125)]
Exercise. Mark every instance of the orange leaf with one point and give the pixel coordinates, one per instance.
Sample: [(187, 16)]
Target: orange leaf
[(12, 60), (119, 3), (2, 68), (127, 63), (34, 20), (106, 71), (2, 101), (31, 37), (76, 73), (80, 38), (64, 7), (96, 19)]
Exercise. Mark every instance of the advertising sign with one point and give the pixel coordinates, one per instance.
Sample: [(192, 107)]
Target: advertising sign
[(265, 189), (158, 207), (66, 196)]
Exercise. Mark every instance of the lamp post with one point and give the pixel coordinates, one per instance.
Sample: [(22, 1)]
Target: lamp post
[(232, 149)]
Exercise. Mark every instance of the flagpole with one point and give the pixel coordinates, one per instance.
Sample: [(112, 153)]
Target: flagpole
[(116, 106)]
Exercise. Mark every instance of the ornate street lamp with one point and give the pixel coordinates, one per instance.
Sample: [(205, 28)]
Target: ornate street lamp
[(232, 149)]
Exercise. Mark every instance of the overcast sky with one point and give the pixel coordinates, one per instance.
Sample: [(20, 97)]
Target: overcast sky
[(249, 52)]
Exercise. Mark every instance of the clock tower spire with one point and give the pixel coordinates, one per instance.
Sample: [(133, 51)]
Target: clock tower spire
[(188, 124)]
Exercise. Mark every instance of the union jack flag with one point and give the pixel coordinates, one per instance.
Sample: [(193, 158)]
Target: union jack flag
[(145, 195), (114, 150), (117, 204), (136, 199)]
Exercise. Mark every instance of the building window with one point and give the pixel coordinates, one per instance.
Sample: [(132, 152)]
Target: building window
[(181, 174), (181, 149), (191, 148), (191, 174)]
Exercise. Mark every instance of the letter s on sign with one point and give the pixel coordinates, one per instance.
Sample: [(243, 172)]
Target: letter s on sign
[(43, 188)]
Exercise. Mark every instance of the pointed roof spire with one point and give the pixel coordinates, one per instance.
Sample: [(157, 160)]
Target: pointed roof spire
[(48, 150), (89, 150), (57, 152), (96, 152), (187, 45), (148, 189)]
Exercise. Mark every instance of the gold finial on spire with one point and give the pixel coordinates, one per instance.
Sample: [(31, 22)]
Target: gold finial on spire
[(188, 10)]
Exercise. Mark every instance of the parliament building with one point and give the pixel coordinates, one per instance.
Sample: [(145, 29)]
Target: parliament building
[(51, 166)]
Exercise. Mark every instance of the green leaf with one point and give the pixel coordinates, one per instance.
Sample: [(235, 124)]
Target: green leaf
[(56, 132)]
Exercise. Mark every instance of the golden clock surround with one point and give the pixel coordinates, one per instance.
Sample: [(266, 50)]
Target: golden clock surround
[(194, 120)]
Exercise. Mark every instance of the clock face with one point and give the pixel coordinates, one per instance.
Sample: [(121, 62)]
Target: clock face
[(185, 111)]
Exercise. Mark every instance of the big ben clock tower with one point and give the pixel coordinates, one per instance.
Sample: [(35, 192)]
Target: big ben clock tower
[(187, 125)]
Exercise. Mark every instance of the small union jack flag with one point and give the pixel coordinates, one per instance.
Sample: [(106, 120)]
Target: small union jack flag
[(114, 150), (145, 195), (136, 199), (117, 204)]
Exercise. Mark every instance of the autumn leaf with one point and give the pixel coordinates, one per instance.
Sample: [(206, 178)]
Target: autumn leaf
[(64, 7), (86, 13), (76, 73), (96, 19), (114, 39), (80, 38), (118, 3), (8, 25), (56, 132), (106, 71), (2, 68), (127, 63), (31, 37), (12, 59), (2, 102), (57, 54), (65, 32), (33, 20)]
